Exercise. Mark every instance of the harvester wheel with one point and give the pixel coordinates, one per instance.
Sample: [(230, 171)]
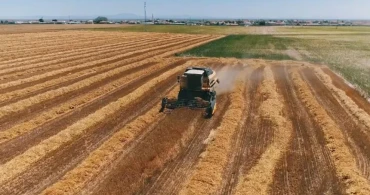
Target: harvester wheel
[(214, 109), (209, 112), (164, 103)]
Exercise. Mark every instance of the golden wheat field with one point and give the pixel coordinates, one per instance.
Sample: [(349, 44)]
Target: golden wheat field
[(79, 114)]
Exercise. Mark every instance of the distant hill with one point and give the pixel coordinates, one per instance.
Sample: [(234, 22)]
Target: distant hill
[(74, 17), (122, 16)]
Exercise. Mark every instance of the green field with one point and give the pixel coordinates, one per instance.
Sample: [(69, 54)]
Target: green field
[(228, 30), (346, 50), (245, 46), (180, 29)]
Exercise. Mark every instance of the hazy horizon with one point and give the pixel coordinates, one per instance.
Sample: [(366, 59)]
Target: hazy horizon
[(253, 9)]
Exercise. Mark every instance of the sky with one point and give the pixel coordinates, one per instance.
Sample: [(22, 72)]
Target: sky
[(305, 9)]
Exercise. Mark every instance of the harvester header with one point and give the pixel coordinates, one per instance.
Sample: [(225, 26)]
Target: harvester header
[(197, 90)]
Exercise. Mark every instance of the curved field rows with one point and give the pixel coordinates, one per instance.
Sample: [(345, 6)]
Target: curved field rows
[(85, 120)]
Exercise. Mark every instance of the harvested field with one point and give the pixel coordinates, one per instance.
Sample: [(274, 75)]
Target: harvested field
[(82, 117)]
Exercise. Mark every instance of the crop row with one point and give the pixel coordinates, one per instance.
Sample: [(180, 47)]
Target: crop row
[(78, 58), (342, 157), (208, 173), (46, 116), (260, 177), (76, 103), (116, 57), (22, 162)]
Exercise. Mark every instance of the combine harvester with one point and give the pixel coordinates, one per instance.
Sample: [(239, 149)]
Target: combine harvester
[(197, 91)]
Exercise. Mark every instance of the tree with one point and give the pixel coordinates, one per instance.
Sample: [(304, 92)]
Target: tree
[(41, 20), (100, 19), (6, 22), (262, 23), (240, 22), (2, 22), (55, 20)]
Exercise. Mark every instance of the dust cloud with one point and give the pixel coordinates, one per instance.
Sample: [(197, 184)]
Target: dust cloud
[(227, 77)]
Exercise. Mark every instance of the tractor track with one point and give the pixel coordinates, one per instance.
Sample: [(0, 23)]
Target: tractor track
[(76, 55), (350, 92), (172, 176), (115, 57), (79, 57), (306, 168), (79, 114), (45, 41), (46, 49), (55, 164), (68, 79), (68, 50), (168, 137), (357, 140), (8, 120), (51, 49), (16, 146), (247, 134), (41, 44)]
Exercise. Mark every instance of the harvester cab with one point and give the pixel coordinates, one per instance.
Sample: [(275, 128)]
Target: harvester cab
[(197, 91)]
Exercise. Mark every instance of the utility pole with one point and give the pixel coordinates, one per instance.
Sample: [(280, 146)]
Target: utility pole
[(145, 16)]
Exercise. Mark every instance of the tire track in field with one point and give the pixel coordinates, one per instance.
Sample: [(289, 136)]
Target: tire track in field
[(45, 117), (257, 179), (28, 159), (92, 41), (40, 37), (11, 38), (13, 147), (46, 50), (24, 103), (98, 160), (41, 49), (16, 47), (76, 57), (114, 57), (54, 165), (336, 140), (359, 115), (61, 52), (47, 41), (306, 167), (207, 175), (358, 140), (350, 92), (172, 176), (160, 145), (65, 78), (250, 120)]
